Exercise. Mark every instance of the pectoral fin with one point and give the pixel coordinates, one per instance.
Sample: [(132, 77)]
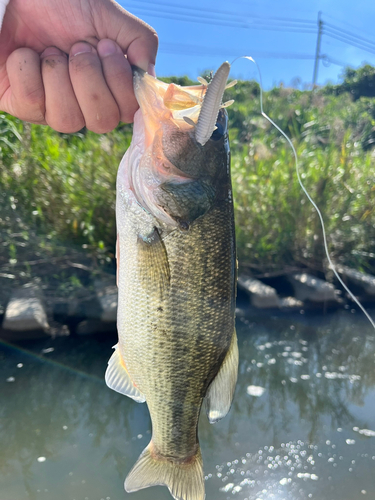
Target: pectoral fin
[(220, 393), (153, 262), (118, 379)]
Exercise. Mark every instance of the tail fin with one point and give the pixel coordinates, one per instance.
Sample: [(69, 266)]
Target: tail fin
[(184, 480)]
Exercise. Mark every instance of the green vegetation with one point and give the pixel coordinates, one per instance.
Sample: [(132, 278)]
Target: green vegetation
[(359, 82), (276, 225), (58, 191)]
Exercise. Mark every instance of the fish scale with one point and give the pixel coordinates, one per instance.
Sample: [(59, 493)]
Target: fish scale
[(197, 307)]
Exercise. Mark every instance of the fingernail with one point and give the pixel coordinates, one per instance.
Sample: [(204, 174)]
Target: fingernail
[(52, 51), (80, 48), (107, 47), (151, 69)]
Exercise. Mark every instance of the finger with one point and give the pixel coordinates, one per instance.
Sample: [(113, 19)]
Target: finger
[(136, 38), (26, 96), (62, 109), (142, 50), (118, 75), (96, 101)]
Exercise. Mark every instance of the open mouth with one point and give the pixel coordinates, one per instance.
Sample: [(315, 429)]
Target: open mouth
[(192, 109), (174, 163)]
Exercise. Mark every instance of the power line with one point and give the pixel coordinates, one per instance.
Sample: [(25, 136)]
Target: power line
[(350, 35), (347, 24), (336, 62), (244, 21), (194, 50), (218, 22), (225, 12), (198, 50), (341, 38), (229, 19), (181, 13), (282, 24)]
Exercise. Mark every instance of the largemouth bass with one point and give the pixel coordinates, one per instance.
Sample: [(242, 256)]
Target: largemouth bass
[(176, 276)]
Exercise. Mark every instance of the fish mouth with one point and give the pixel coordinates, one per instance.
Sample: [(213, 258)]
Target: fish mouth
[(193, 109), (174, 164)]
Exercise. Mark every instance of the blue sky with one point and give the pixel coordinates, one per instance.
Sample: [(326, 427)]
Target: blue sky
[(190, 48)]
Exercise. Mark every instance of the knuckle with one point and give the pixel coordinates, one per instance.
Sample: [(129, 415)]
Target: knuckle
[(149, 31), (155, 39), (152, 39)]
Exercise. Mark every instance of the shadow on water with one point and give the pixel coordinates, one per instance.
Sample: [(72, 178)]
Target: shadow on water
[(301, 426)]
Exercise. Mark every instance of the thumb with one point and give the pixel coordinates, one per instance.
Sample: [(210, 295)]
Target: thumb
[(136, 38), (143, 54)]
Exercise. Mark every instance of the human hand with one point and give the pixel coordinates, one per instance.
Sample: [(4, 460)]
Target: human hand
[(62, 62)]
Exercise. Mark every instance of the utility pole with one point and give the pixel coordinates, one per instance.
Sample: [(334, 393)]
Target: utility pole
[(317, 54)]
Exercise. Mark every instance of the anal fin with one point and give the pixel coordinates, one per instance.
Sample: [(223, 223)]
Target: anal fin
[(220, 393), (118, 379)]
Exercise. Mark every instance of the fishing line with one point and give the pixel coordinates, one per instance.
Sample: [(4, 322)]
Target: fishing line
[(331, 264)]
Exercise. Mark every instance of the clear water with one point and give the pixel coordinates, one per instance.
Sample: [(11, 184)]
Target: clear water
[(302, 424)]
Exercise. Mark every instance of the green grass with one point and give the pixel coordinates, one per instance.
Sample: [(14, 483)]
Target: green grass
[(62, 186), (276, 225)]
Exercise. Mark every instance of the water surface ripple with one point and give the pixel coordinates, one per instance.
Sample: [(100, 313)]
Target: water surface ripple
[(302, 424)]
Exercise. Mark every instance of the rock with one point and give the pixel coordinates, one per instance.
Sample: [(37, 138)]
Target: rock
[(90, 306), (57, 329), (92, 326), (108, 302), (364, 283), (84, 304), (107, 296), (6, 286), (60, 308), (25, 313), (309, 288), (261, 295), (290, 303)]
